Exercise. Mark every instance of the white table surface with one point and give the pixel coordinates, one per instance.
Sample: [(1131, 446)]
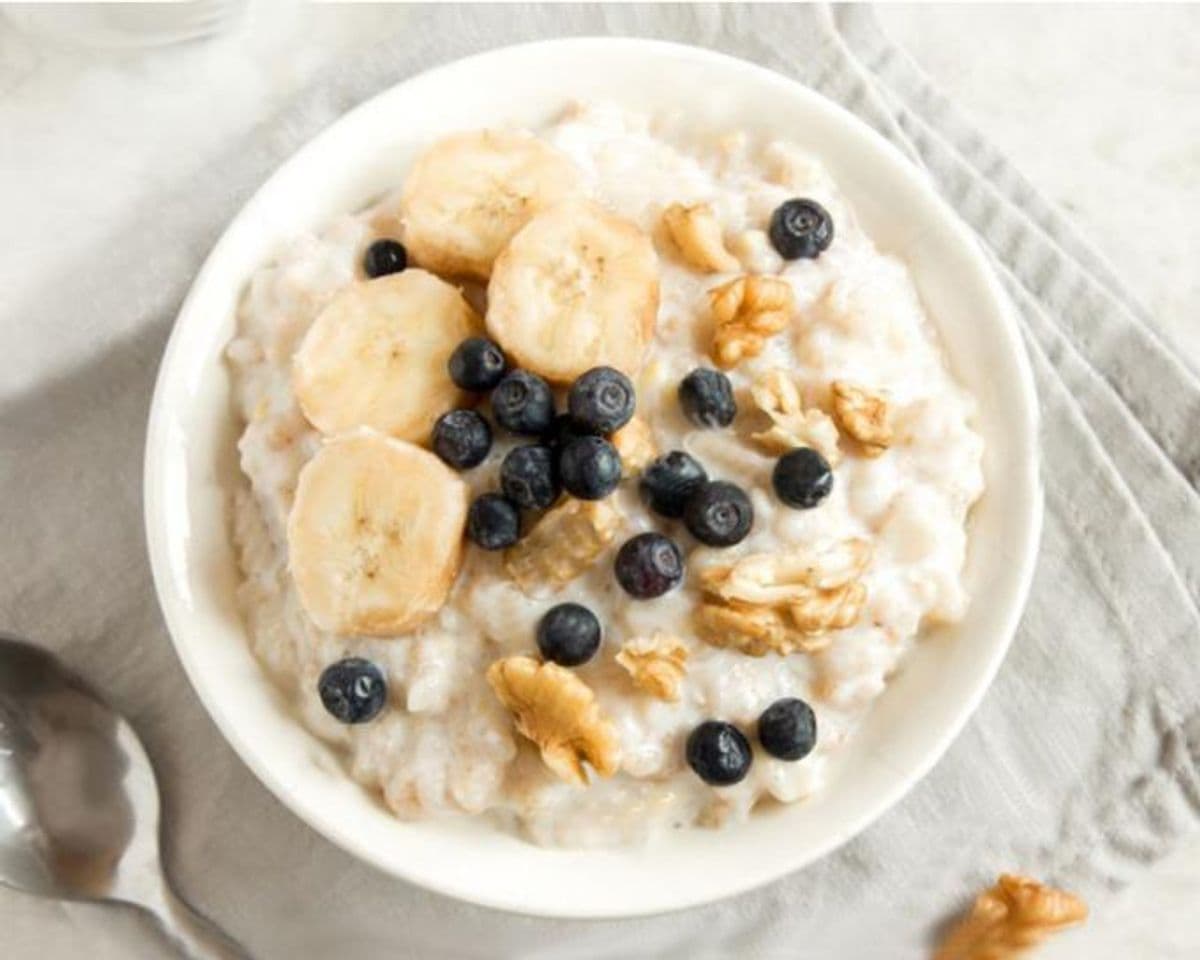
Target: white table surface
[(1099, 106)]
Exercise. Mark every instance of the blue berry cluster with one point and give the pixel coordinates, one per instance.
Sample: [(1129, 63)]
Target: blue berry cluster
[(566, 452), (720, 754), (571, 452)]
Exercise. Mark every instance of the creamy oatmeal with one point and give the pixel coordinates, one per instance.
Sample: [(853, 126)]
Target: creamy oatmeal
[(831, 354)]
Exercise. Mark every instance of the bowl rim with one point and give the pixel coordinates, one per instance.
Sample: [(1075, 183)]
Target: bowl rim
[(176, 616)]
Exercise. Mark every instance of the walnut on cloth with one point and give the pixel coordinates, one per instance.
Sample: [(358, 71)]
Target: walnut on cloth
[(1006, 920)]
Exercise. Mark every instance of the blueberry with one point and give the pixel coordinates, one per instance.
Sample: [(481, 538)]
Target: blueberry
[(528, 477), (602, 400), (649, 565), (800, 229), (707, 398), (493, 522), (719, 753), (590, 468), (802, 478), (353, 690), (787, 729), (563, 429), (719, 514), (669, 481), (477, 364), (384, 257), (462, 438), (522, 402), (569, 634)]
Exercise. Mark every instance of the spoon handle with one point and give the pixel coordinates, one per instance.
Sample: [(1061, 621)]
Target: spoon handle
[(200, 938), (195, 935)]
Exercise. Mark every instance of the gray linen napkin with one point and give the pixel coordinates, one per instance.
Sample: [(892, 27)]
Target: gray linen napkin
[(1082, 764)]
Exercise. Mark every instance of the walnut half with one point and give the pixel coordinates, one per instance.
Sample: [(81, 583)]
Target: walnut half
[(697, 234), (557, 711), (656, 664), (1009, 918), (563, 544), (784, 602), (747, 311), (754, 631), (771, 579), (822, 611), (776, 394), (862, 415)]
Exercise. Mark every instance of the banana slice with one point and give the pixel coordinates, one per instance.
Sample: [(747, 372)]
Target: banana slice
[(575, 289), (376, 356), (468, 194), (375, 535)]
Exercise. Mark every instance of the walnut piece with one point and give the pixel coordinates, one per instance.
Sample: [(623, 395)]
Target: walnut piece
[(784, 602), (635, 444), (771, 579), (747, 311), (557, 711), (656, 664), (754, 631), (563, 544), (825, 610), (697, 234), (776, 394), (1009, 918), (862, 415)]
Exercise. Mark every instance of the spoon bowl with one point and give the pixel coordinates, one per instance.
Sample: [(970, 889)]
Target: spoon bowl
[(79, 803)]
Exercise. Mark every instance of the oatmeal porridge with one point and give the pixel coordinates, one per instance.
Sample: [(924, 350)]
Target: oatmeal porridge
[(596, 480)]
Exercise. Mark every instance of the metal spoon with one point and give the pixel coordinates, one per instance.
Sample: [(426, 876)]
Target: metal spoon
[(79, 808)]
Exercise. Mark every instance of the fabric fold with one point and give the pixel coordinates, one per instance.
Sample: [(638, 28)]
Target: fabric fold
[(1038, 245)]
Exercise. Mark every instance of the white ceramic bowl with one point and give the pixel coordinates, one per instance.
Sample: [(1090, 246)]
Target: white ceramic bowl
[(191, 463)]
